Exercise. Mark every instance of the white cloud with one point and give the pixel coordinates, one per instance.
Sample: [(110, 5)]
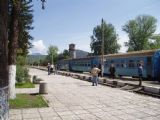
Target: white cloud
[(82, 42), (38, 47), (30, 52), (122, 39)]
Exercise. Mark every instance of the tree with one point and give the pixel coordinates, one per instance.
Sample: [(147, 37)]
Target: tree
[(52, 54), (110, 39), (64, 55), (25, 25), (139, 31), (155, 41), (13, 42), (21, 19), (4, 80), (4, 108)]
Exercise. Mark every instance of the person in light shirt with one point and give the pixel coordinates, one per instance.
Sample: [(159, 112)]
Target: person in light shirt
[(94, 73)]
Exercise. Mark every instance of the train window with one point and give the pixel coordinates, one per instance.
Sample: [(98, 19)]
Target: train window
[(117, 65), (112, 61), (131, 64), (140, 62), (106, 63), (122, 63), (89, 64), (149, 60)]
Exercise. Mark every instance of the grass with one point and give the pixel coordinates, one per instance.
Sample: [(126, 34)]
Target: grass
[(27, 101), (25, 85)]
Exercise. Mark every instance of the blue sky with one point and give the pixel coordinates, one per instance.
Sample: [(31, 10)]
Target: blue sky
[(72, 21)]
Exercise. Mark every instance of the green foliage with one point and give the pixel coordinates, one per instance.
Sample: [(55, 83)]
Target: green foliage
[(25, 85), (155, 42), (21, 60), (64, 55), (22, 74), (139, 31), (110, 39), (25, 25), (24, 18), (52, 53), (27, 101)]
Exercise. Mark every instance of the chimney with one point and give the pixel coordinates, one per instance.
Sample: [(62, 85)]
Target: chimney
[(72, 50)]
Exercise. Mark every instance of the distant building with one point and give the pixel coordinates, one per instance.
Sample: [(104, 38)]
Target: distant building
[(72, 50), (76, 53)]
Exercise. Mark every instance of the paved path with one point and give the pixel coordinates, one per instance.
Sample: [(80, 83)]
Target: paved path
[(73, 99)]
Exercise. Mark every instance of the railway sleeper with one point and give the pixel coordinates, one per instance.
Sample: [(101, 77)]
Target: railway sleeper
[(147, 93)]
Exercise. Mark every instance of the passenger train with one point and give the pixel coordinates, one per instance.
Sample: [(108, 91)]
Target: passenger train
[(126, 64)]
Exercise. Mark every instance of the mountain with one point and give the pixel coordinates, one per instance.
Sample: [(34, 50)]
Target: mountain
[(36, 54), (35, 57)]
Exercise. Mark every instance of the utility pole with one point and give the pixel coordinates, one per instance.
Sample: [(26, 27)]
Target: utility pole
[(52, 58), (102, 49)]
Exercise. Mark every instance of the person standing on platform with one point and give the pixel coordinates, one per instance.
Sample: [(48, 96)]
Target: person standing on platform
[(100, 67), (52, 68), (112, 71), (140, 73), (49, 68), (55, 69), (94, 73)]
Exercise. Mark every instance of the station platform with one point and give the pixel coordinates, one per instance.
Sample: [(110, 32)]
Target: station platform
[(70, 98), (148, 87)]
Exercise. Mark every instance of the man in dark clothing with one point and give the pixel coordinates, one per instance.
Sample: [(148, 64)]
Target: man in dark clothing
[(100, 67), (49, 68), (112, 71), (140, 74)]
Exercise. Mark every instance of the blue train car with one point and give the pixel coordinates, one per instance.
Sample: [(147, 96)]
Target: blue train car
[(83, 64), (63, 64), (127, 64)]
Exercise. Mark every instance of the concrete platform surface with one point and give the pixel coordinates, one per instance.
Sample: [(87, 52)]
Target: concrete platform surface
[(73, 99)]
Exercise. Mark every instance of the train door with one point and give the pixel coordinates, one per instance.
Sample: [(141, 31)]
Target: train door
[(156, 63), (149, 67)]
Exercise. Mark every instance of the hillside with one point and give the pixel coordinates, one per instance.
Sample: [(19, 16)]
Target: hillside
[(35, 58)]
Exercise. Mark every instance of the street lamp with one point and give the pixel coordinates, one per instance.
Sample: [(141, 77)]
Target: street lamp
[(52, 58)]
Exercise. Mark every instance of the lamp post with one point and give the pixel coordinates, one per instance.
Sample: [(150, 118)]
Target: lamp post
[(102, 49), (52, 58)]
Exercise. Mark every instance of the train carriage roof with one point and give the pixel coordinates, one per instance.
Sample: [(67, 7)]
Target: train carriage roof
[(128, 54), (135, 53)]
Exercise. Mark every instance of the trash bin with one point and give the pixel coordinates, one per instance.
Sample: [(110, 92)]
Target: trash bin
[(43, 88)]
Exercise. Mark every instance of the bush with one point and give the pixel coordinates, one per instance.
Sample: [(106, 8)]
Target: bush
[(22, 74), (24, 85)]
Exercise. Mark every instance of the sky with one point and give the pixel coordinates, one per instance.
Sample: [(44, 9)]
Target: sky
[(72, 21)]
